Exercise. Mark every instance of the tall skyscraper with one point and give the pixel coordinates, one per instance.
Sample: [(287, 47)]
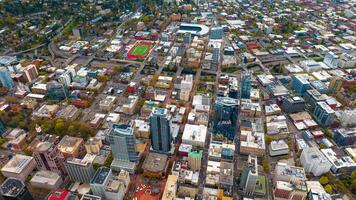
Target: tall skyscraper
[(249, 175), (48, 157), (123, 146), (335, 85), (246, 83), (14, 189), (161, 137), (123, 141), (5, 78), (225, 117)]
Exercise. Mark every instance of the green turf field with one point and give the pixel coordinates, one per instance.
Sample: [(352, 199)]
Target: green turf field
[(140, 50)]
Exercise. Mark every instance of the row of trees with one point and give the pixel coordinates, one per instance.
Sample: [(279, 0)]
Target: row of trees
[(344, 184), (57, 126), (62, 127)]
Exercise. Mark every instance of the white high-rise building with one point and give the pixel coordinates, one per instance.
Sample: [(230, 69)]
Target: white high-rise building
[(314, 161)]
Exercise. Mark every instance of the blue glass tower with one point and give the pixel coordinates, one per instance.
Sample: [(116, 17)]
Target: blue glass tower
[(2, 127), (57, 91), (161, 137), (246, 83), (5, 78), (225, 117)]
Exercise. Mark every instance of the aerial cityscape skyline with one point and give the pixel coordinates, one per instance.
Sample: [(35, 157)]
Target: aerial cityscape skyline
[(178, 100)]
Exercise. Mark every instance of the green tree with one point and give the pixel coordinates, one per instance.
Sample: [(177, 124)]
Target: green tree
[(324, 180), (328, 188), (265, 166), (108, 161)]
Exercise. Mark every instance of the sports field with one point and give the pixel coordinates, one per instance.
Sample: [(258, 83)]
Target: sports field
[(140, 50)]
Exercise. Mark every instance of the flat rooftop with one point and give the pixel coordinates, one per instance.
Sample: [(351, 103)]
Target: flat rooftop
[(123, 129), (90, 197), (88, 158), (159, 111), (17, 163), (326, 107), (48, 177), (283, 169), (155, 162), (194, 133), (69, 144), (278, 145), (12, 187), (59, 195), (100, 175)]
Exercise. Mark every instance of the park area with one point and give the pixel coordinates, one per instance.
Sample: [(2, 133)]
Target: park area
[(139, 50)]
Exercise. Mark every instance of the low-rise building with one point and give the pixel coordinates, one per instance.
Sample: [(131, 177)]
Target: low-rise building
[(292, 104), (130, 106), (339, 163), (19, 166), (194, 135), (107, 185), (289, 182), (345, 136), (93, 145), (252, 143), (278, 148), (16, 189), (155, 165), (170, 189), (70, 113), (108, 103), (316, 191), (71, 146), (46, 180)]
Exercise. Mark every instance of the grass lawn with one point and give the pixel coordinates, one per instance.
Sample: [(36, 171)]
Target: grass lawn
[(261, 185), (230, 69), (140, 50)]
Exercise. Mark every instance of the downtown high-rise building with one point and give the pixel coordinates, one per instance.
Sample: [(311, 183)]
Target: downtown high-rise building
[(225, 117), (161, 137), (5, 78), (249, 175), (80, 170), (48, 157), (123, 146), (246, 83)]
